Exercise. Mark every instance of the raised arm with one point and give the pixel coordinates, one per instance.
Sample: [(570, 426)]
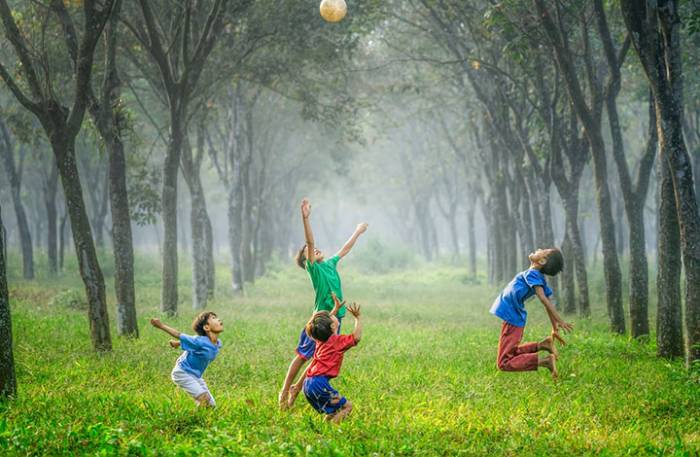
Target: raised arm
[(361, 228), (554, 317), (354, 309), (308, 234), (169, 330)]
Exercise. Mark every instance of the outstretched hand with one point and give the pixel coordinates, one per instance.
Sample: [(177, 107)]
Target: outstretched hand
[(354, 309), (556, 336), (361, 228), (156, 323), (305, 208), (337, 304)]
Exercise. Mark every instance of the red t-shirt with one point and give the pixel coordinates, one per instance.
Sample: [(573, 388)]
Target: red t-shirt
[(328, 356)]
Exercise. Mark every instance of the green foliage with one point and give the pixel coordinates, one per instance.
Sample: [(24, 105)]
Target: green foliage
[(379, 257), (69, 299), (423, 380)]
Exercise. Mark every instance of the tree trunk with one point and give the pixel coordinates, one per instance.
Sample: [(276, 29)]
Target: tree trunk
[(122, 241), (8, 382), (669, 325), (62, 239), (673, 150), (169, 292), (211, 265), (64, 150), (99, 219), (15, 180), (568, 277), (611, 265), (200, 265), (234, 235), (577, 252), (24, 236), (472, 239), (50, 189)]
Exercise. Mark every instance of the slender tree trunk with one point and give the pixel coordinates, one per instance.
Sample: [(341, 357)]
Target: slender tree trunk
[(122, 241), (234, 235), (8, 382), (211, 265), (169, 292), (577, 252), (247, 225), (472, 239), (25, 237), (568, 277), (50, 189), (611, 264), (199, 249), (669, 324), (62, 239), (64, 149)]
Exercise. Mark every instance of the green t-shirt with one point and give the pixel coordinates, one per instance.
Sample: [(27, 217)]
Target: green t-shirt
[(325, 279)]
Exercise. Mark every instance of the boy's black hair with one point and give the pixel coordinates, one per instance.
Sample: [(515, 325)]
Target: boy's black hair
[(200, 321), (555, 263), (319, 327), (301, 258)]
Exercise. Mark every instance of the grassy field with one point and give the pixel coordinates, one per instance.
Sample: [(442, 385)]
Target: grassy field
[(423, 380)]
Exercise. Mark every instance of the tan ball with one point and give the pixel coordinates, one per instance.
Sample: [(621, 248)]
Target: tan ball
[(333, 10)]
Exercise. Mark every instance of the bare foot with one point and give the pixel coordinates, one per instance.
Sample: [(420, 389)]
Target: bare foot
[(550, 363), (547, 344), (293, 392), (282, 400), (342, 413)]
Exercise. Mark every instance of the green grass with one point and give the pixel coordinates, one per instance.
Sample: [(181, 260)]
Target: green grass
[(423, 380)]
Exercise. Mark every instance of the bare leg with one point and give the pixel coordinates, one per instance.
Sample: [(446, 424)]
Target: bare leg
[(292, 372), (547, 344), (550, 363), (295, 390), (342, 413)]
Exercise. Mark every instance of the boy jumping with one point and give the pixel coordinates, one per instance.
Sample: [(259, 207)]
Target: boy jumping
[(199, 351), (327, 360), (326, 281), (510, 306)]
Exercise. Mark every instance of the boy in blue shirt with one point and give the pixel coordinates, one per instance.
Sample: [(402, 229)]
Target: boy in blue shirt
[(510, 306), (199, 352)]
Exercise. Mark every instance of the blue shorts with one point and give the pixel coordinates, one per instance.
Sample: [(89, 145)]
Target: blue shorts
[(324, 398), (307, 346)]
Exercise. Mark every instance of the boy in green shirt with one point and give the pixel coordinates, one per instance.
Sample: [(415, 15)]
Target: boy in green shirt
[(326, 282)]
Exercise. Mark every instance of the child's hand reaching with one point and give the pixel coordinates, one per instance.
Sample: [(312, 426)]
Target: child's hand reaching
[(305, 208), (174, 344), (361, 228), (156, 323), (336, 304), (354, 309)]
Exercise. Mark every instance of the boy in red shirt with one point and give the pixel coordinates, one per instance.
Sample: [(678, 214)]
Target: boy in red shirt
[(328, 357)]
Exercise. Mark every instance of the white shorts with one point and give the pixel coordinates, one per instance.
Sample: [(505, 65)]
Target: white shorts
[(191, 384)]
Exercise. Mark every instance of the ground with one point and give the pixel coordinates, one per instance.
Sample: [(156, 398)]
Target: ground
[(423, 380)]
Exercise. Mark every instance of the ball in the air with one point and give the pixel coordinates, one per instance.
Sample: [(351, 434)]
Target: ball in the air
[(333, 10)]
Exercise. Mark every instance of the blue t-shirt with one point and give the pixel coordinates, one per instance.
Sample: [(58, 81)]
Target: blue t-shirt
[(510, 304), (199, 352)]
